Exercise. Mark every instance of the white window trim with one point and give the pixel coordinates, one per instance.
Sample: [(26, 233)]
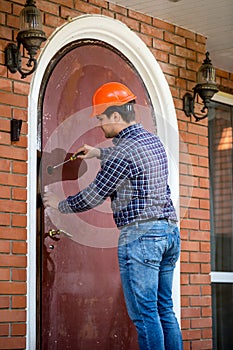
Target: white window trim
[(223, 97), (118, 35), (221, 277)]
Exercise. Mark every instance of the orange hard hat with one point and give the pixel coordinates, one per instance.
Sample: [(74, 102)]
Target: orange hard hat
[(110, 94)]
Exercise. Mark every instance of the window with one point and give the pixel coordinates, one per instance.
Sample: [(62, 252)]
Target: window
[(221, 185)]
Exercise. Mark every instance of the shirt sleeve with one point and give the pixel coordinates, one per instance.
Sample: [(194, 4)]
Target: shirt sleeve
[(105, 153), (113, 172)]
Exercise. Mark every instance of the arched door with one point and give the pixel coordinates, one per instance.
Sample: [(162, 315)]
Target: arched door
[(79, 301)]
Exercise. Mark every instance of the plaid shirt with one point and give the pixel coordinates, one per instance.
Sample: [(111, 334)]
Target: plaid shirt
[(134, 174)]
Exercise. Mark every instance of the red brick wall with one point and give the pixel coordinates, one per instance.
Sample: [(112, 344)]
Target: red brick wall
[(179, 53)]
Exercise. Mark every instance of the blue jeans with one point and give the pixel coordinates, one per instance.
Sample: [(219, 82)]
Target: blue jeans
[(147, 254)]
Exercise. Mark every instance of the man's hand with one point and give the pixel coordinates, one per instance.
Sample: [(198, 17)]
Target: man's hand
[(50, 199), (89, 152)]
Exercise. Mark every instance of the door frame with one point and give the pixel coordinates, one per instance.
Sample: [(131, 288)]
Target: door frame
[(118, 35)]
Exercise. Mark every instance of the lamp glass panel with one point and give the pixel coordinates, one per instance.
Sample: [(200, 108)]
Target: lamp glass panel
[(206, 74), (30, 18)]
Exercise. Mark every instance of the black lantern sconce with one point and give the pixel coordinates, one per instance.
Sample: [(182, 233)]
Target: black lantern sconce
[(30, 36), (206, 88)]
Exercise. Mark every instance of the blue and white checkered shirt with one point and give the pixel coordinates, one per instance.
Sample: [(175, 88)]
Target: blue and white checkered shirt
[(134, 174)]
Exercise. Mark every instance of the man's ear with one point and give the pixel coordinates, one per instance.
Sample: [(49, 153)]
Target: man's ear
[(117, 117)]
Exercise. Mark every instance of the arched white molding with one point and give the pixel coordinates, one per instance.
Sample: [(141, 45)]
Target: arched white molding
[(118, 35)]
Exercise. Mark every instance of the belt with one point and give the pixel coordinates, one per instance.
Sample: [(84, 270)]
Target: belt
[(154, 219), (150, 219)]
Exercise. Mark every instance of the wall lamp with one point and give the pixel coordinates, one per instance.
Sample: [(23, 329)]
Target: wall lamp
[(30, 36), (206, 88)]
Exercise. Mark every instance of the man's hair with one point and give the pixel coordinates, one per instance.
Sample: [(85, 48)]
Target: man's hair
[(126, 111)]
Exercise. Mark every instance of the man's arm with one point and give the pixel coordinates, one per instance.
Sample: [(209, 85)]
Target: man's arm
[(50, 199), (113, 174)]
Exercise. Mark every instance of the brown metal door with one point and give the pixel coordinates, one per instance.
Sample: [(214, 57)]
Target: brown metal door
[(80, 297)]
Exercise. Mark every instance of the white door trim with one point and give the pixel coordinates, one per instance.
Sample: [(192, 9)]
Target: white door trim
[(118, 35)]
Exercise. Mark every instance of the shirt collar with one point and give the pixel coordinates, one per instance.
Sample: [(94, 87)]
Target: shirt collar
[(126, 132)]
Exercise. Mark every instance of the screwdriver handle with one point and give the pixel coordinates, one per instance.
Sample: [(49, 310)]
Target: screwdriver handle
[(75, 155)]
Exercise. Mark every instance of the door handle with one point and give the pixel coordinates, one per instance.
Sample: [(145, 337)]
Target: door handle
[(52, 233)]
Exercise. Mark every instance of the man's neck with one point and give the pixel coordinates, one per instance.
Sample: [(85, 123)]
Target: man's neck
[(124, 125)]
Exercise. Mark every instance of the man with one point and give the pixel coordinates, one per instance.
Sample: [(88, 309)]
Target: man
[(134, 174)]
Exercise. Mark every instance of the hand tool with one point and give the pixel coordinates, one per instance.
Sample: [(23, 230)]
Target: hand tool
[(50, 168)]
